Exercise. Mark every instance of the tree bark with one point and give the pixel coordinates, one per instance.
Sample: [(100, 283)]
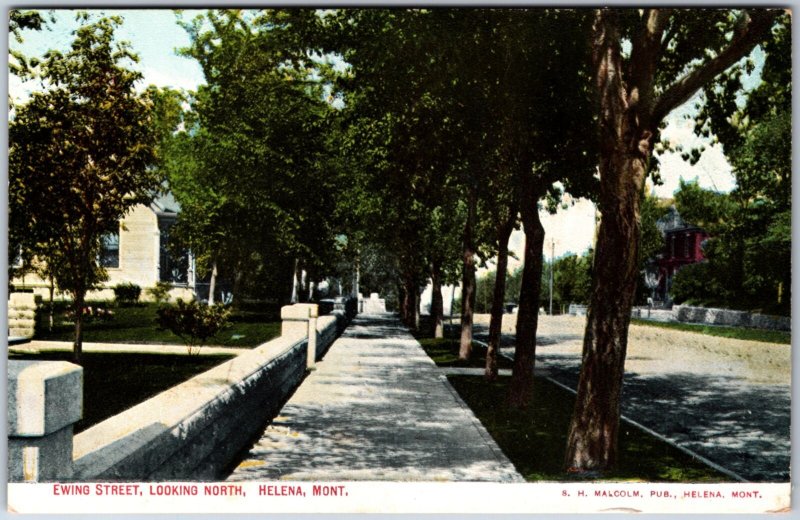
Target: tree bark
[(468, 278), (528, 311), (629, 117), (402, 302), (238, 279), (77, 346), (212, 286), (409, 302), (498, 299), (592, 440), (295, 289), (437, 302), (52, 289)]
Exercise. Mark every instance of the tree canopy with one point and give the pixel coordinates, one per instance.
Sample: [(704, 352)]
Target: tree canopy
[(81, 153)]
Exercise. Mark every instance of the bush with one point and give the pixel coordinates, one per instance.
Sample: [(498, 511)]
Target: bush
[(192, 322), (127, 293), (160, 292), (694, 283)]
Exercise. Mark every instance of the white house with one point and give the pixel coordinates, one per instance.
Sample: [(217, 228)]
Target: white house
[(138, 254)]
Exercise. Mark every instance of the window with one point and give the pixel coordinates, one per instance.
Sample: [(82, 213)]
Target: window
[(109, 250), (687, 240)]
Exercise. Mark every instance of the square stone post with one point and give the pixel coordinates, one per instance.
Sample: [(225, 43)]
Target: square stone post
[(45, 398), (300, 320)]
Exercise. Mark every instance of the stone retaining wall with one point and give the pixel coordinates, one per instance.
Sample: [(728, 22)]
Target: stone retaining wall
[(685, 313), (195, 430), (711, 316)]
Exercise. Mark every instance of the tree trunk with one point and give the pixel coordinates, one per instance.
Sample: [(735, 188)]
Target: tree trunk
[(416, 308), (629, 114), (468, 278), (528, 312), (212, 286), (238, 279), (52, 289), (498, 299), (410, 306), (437, 302), (593, 433), (401, 302), (295, 289), (77, 346), (452, 301)]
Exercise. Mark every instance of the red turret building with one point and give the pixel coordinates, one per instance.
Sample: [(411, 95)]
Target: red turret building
[(683, 245)]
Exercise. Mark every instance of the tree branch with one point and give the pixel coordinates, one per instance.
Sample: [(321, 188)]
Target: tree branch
[(645, 53), (758, 24)]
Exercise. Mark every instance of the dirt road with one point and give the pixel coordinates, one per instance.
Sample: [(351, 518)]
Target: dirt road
[(726, 399)]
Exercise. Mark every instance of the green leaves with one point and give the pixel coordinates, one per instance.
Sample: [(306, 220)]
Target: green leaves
[(80, 156), (192, 322)]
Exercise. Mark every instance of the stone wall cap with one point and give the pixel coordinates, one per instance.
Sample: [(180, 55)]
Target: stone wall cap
[(43, 396), (299, 311)]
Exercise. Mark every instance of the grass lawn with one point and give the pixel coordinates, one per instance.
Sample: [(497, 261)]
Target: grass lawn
[(444, 352), (137, 324), (768, 336), (112, 383), (535, 439)]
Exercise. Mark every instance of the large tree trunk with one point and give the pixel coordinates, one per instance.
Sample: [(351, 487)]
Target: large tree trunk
[(437, 302), (630, 113), (592, 440), (528, 312), (624, 150), (468, 278), (498, 298)]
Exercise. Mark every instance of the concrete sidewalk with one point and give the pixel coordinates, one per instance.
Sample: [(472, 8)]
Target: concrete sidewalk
[(376, 408)]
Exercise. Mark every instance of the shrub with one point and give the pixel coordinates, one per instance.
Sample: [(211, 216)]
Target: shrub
[(192, 322), (694, 283), (160, 292), (127, 293)]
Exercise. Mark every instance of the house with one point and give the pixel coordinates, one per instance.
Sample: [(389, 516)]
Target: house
[(138, 254), (683, 245)]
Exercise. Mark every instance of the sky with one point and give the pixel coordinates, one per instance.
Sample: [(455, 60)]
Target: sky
[(155, 36)]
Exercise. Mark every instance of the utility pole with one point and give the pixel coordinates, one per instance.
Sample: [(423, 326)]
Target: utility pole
[(552, 268)]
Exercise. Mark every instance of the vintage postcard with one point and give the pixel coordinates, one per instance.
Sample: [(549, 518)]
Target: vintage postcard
[(399, 260)]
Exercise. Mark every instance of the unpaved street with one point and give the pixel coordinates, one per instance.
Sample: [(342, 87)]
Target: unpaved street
[(725, 399)]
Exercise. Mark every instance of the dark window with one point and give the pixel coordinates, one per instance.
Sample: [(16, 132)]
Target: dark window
[(686, 245), (173, 264), (109, 250)]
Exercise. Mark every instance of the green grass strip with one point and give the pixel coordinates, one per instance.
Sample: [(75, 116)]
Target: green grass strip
[(114, 382), (766, 336), (535, 439), (444, 352), (137, 324)]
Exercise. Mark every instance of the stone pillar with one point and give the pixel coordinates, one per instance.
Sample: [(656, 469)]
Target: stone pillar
[(45, 398), (300, 320)]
